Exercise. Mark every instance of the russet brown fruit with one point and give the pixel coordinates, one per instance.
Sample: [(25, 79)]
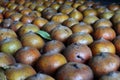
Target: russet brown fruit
[(40, 76), (80, 37), (103, 63), (49, 62), (53, 45), (6, 60), (19, 71), (32, 39), (74, 71), (61, 33), (27, 55), (77, 52), (102, 45)]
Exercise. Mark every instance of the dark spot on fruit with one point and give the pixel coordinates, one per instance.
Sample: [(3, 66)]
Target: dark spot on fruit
[(79, 57), (75, 66)]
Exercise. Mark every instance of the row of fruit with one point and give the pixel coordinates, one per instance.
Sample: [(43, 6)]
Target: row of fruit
[(59, 40)]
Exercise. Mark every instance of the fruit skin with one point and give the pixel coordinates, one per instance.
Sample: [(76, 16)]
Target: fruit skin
[(10, 45), (102, 45), (40, 76), (49, 62), (32, 39), (27, 55), (19, 71), (6, 60), (104, 63), (74, 71), (53, 45), (77, 52), (61, 33), (114, 75), (7, 33), (80, 37)]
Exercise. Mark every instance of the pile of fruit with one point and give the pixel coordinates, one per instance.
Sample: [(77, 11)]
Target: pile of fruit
[(59, 40)]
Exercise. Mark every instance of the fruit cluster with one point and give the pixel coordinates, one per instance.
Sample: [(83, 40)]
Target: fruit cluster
[(59, 40)]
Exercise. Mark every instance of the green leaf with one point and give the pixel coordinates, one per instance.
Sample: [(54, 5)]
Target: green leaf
[(44, 34)]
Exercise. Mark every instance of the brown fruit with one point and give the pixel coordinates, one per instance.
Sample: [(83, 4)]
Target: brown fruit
[(33, 40), (7, 22), (47, 13), (90, 19), (82, 7), (102, 45), (16, 16), (6, 60), (49, 26), (70, 22), (40, 76), (49, 62), (27, 28), (16, 25), (80, 37), (113, 6), (10, 45), (117, 28), (74, 71), (90, 12), (53, 45), (76, 15), (55, 5), (26, 11), (116, 43), (82, 27), (60, 17), (114, 75), (103, 63), (27, 19), (116, 18), (65, 9), (7, 33), (102, 23), (19, 71), (27, 55), (40, 22), (104, 32), (61, 33), (77, 52)]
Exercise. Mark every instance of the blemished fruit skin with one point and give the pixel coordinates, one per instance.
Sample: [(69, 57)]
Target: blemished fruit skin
[(74, 71)]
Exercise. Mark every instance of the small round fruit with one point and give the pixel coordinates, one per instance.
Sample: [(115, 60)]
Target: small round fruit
[(80, 37), (102, 45), (19, 71), (40, 76), (33, 40), (74, 71), (77, 52), (61, 33), (49, 62), (103, 63), (60, 17), (10, 45), (6, 60), (53, 45), (27, 55), (104, 32), (90, 12), (25, 28), (7, 33), (114, 75)]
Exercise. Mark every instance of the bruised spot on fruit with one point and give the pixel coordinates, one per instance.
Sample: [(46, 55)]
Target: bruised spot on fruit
[(75, 66), (79, 57)]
